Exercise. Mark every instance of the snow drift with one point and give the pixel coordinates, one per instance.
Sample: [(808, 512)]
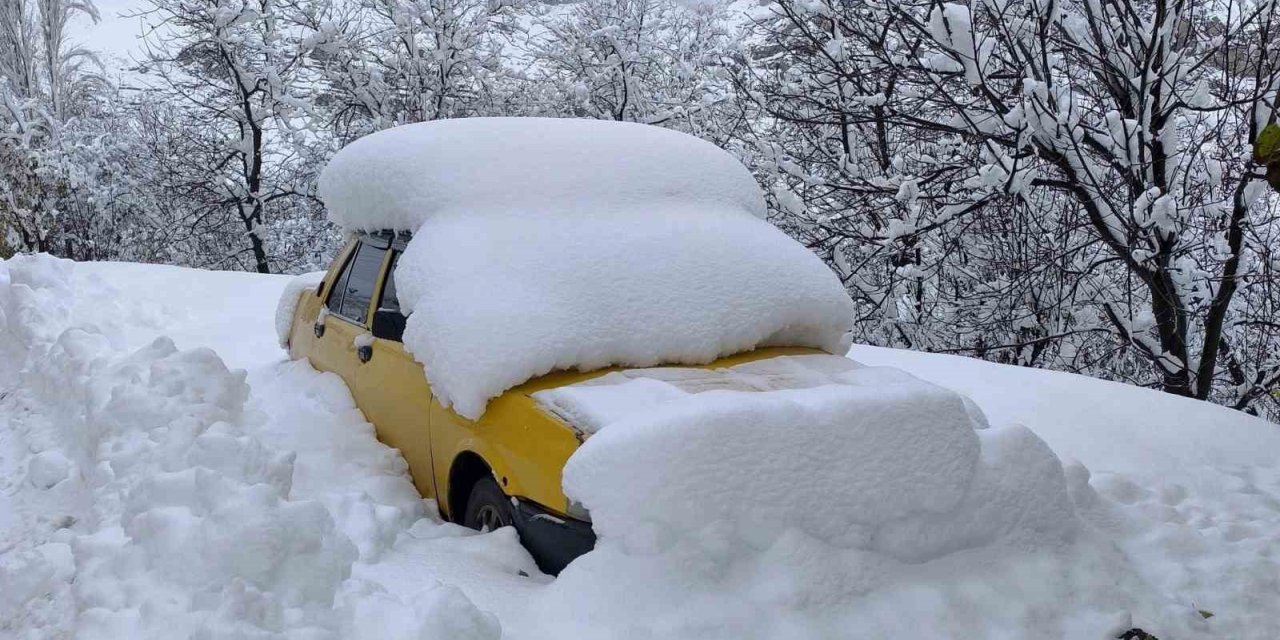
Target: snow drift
[(175, 519), (559, 244), (772, 490), (1171, 517), (288, 304), (857, 457)]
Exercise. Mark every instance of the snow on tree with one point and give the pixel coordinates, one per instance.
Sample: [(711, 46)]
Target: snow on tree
[(649, 61), (1065, 182), (224, 77), (55, 142), (1072, 184), (381, 63)]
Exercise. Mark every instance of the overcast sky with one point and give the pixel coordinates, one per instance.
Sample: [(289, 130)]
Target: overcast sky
[(115, 36)]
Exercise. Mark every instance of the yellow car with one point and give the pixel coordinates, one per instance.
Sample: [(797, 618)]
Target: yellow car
[(502, 469)]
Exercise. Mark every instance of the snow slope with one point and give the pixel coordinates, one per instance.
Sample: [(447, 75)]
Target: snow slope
[(149, 489)]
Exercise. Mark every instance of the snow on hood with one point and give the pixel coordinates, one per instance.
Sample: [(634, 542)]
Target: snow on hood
[(561, 244), (867, 458), (593, 404)]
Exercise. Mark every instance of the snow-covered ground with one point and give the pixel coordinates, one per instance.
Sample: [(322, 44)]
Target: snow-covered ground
[(165, 472)]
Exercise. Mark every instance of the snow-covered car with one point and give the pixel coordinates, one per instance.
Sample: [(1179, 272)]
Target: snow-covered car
[(551, 276)]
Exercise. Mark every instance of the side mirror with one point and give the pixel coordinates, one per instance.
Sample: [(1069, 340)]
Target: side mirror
[(388, 324)]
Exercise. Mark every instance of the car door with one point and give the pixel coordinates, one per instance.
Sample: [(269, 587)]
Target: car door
[(348, 304), (392, 389)]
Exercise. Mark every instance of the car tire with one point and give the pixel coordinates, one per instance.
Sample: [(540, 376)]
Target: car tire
[(488, 508)]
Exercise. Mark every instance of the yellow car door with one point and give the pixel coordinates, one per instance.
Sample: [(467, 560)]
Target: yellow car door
[(390, 385), (347, 312)]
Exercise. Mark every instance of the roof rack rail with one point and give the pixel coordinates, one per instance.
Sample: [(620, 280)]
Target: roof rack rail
[(386, 239)]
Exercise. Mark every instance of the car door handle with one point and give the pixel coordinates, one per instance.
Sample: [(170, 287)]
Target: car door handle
[(364, 353), (319, 329)]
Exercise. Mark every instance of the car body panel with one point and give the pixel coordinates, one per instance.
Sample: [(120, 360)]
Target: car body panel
[(396, 398), (525, 447)]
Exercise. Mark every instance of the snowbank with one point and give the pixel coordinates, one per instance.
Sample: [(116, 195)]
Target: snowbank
[(172, 518), (560, 244), (398, 178), (1189, 490), (805, 496), (288, 304), (188, 514)]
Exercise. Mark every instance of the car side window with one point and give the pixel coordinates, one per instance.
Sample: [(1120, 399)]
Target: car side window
[(390, 302), (334, 301), (359, 288)]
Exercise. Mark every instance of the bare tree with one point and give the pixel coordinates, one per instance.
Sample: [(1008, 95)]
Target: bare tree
[(381, 63), (1106, 137), (652, 61), (230, 64)]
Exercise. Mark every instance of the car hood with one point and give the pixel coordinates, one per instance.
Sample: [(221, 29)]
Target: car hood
[(593, 404)]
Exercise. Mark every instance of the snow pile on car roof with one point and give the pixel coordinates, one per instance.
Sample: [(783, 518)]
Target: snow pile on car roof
[(400, 177), (558, 244)]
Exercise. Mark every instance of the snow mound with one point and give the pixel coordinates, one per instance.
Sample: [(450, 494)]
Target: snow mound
[(185, 524), (190, 527), (1018, 495), (298, 285), (873, 459), (830, 500), (559, 244), (399, 177), (499, 299)]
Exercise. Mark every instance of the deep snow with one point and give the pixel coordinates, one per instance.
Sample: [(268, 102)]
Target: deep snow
[(516, 268), (537, 167), (147, 489)]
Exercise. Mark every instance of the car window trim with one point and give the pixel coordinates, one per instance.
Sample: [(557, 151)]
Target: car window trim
[(351, 321), (340, 281), (374, 300), (335, 271), (385, 277)]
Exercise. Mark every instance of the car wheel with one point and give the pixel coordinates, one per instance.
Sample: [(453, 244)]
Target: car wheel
[(488, 508)]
